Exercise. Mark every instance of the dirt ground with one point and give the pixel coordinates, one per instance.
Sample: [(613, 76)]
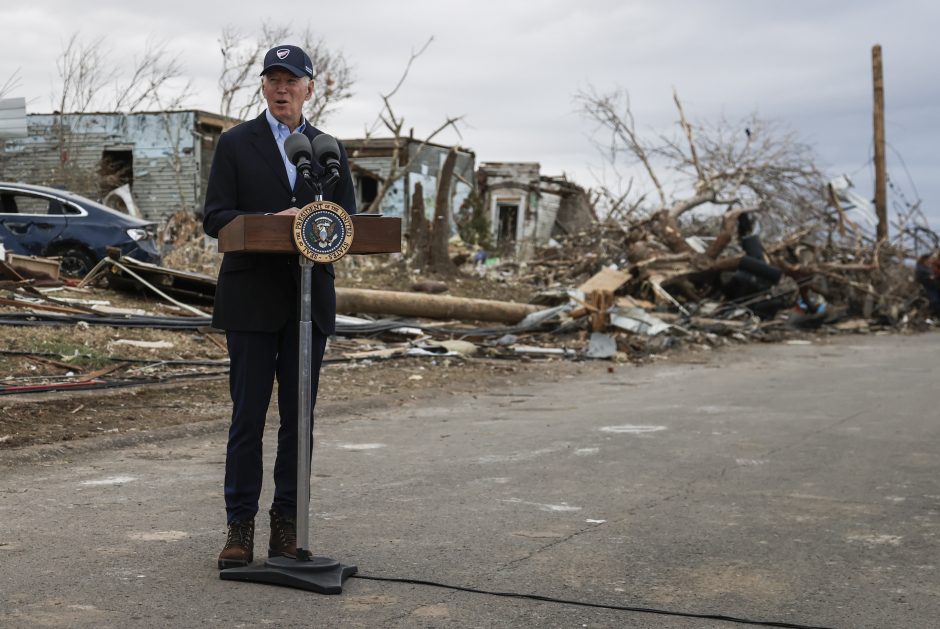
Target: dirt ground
[(187, 374), (66, 416), (42, 354)]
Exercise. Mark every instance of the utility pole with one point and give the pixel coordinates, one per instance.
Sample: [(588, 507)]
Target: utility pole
[(881, 173)]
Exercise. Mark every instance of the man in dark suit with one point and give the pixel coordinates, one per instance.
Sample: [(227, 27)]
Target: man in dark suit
[(256, 300)]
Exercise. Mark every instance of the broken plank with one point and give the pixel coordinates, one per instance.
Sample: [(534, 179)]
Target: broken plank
[(94, 375), (606, 279), (34, 306), (49, 361)]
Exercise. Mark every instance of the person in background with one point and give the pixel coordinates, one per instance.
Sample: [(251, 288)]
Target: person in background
[(927, 274)]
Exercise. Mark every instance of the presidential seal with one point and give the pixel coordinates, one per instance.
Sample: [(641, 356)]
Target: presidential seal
[(323, 232)]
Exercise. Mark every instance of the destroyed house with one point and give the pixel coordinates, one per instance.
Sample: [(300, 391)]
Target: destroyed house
[(162, 158), (526, 208), (370, 161)]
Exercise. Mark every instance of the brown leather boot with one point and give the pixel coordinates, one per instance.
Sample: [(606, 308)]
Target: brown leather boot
[(283, 542), (239, 545)]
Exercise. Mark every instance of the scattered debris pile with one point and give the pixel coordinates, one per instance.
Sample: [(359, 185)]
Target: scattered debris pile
[(615, 291)]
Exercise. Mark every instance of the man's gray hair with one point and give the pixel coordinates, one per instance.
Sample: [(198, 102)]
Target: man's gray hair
[(306, 79)]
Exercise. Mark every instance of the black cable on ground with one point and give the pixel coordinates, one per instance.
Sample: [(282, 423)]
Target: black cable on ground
[(109, 384), (121, 359), (625, 608), (160, 323), (196, 323)]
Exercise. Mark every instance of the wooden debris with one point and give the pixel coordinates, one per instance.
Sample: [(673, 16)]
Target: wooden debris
[(98, 373), (33, 266), (20, 303), (606, 279), (143, 344), (215, 341), (49, 361), (600, 302)]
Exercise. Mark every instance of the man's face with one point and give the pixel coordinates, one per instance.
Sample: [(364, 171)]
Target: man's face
[(285, 95)]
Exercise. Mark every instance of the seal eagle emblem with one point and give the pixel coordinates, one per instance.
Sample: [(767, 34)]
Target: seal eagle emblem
[(323, 231)]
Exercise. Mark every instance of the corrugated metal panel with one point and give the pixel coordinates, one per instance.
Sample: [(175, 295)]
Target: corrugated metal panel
[(67, 150), (380, 165), (12, 118)]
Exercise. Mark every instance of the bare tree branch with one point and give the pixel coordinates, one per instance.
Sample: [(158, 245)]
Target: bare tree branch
[(613, 112), (411, 60), (83, 71), (395, 124), (13, 82), (396, 171), (238, 59), (333, 76), (152, 72), (386, 115), (688, 133)]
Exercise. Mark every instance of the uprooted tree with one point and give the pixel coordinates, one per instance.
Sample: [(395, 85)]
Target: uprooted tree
[(752, 165), (741, 172)]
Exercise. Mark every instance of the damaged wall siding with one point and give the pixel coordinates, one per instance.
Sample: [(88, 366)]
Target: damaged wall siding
[(426, 168), (166, 150), (373, 157), (549, 206), (511, 193), (574, 211), (380, 165), (527, 209)]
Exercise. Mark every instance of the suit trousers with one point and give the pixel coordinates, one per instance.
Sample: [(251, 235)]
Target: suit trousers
[(257, 358)]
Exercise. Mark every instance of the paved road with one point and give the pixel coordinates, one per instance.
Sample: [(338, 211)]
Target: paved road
[(794, 483)]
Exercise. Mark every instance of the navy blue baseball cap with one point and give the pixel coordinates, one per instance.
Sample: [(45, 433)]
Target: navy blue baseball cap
[(290, 58)]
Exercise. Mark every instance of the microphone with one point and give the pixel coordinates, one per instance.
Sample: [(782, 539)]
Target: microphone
[(326, 150), (299, 152)]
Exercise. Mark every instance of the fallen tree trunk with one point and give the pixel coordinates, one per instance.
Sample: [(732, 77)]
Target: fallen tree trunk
[(361, 300)]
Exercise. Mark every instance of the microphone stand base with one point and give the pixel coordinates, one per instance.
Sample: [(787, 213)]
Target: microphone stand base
[(321, 575)]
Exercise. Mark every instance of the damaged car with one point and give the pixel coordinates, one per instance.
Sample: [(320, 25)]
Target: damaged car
[(41, 221)]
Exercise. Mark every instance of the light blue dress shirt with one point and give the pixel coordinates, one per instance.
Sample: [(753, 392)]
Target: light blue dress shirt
[(281, 131)]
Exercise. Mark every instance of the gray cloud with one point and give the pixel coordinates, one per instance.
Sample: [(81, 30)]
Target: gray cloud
[(512, 68)]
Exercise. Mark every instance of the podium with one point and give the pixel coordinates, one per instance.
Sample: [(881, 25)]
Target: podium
[(256, 233)]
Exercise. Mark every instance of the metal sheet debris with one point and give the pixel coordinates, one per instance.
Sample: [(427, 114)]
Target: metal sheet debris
[(601, 346), (638, 321)]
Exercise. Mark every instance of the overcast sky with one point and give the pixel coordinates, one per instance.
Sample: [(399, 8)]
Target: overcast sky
[(512, 68)]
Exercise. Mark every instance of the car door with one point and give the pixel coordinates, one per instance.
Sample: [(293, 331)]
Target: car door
[(29, 220)]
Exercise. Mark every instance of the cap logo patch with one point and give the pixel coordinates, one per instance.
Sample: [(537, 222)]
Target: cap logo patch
[(282, 53)]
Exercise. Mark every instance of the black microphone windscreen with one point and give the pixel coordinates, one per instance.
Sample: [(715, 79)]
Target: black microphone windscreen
[(325, 148), (297, 147)]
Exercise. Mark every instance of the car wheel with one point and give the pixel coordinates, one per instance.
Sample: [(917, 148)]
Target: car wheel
[(76, 261)]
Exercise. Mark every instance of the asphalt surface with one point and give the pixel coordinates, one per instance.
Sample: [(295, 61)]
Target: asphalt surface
[(779, 483)]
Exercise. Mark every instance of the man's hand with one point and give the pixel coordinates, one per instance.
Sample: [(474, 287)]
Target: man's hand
[(291, 211)]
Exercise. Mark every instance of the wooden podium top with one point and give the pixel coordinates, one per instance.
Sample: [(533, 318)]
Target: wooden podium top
[(259, 233)]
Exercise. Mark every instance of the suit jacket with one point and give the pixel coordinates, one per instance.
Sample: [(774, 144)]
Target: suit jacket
[(258, 292)]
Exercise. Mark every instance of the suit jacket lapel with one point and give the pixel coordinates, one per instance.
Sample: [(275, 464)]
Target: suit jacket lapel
[(266, 146)]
